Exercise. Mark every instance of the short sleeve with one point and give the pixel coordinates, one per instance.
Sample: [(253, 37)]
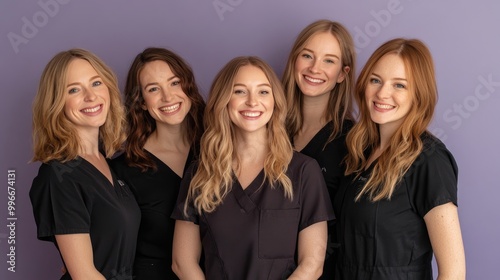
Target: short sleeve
[(314, 199), (432, 179), (59, 206), (178, 213)]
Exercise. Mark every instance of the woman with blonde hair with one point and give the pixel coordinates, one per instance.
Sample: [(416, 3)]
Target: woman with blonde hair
[(398, 205), (318, 81), (165, 117), (250, 202), (78, 203)]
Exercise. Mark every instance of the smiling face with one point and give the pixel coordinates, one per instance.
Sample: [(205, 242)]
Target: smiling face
[(162, 93), (87, 97), (318, 67), (252, 102), (386, 94)]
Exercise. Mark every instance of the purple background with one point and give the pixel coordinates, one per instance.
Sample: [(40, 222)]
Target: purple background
[(462, 35)]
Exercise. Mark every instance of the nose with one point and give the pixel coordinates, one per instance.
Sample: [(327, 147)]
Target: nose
[(314, 66), (251, 100), (166, 95), (384, 91), (89, 94)]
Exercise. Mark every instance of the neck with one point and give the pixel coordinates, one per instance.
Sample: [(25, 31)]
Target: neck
[(313, 110), (251, 146), (167, 137), (89, 143)]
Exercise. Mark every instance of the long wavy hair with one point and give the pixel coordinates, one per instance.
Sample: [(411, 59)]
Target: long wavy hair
[(405, 144), (339, 106), (54, 136), (141, 123), (214, 176)]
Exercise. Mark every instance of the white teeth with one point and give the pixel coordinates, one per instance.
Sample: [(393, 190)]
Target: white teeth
[(313, 80), (251, 114), (170, 109), (92, 110), (383, 106)]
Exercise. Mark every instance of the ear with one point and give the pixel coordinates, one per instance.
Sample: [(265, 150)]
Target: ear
[(143, 106), (343, 73)]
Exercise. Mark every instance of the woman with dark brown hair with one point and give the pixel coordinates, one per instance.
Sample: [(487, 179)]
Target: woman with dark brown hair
[(164, 112)]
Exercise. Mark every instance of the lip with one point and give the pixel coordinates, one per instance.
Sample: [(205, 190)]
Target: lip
[(313, 81), (170, 109), (251, 115), (92, 111), (382, 107)]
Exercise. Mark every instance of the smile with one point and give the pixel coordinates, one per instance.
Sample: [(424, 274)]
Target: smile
[(170, 109), (92, 110), (384, 106), (313, 80), (250, 114)]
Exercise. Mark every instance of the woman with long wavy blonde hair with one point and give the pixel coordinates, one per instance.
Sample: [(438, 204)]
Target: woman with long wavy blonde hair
[(250, 199), (319, 83), (398, 205), (78, 203)]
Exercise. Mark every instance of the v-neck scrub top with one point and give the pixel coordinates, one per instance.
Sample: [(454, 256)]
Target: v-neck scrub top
[(253, 234), (156, 193), (329, 158), (388, 239), (75, 197)]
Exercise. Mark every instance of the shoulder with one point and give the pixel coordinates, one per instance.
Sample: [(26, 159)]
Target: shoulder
[(435, 154)]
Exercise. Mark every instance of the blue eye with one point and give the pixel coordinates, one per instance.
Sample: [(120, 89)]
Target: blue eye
[(306, 55), (96, 83), (73, 90), (264, 92), (400, 86), (330, 61), (374, 81), (239, 91)]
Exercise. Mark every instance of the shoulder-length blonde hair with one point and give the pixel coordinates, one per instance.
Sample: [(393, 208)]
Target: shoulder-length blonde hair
[(339, 106), (214, 177), (141, 123), (405, 144), (54, 136)]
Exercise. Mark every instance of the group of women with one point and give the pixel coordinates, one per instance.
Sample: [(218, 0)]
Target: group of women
[(269, 179)]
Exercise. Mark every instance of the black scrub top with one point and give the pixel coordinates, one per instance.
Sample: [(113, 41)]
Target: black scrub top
[(388, 239), (330, 159), (156, 193), (75, 197), (253, 234)]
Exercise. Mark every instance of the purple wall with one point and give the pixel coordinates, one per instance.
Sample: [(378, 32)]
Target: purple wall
[(463, 36)]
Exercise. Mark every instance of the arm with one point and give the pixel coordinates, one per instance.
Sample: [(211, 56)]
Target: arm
[(443, 227), (311, 252), (186, 251), (76, 251)]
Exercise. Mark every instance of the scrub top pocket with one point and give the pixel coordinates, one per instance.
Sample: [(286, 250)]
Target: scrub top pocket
[(278, 233)]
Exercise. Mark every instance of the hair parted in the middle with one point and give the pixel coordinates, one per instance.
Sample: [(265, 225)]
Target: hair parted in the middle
[(214, 176)]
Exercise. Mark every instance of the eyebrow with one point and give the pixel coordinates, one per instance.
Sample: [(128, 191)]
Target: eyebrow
[(398, 79), (259, 85), (156, 83), (328, 54), (77, 83)]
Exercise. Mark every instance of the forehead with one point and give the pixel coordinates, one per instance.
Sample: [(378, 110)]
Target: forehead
[(79, 69), (156, 69), (390, 65), (323, 42), (250, 74)]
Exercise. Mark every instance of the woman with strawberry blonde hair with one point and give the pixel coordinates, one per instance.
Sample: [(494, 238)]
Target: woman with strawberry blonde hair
[(398, 204), (250, 202)]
